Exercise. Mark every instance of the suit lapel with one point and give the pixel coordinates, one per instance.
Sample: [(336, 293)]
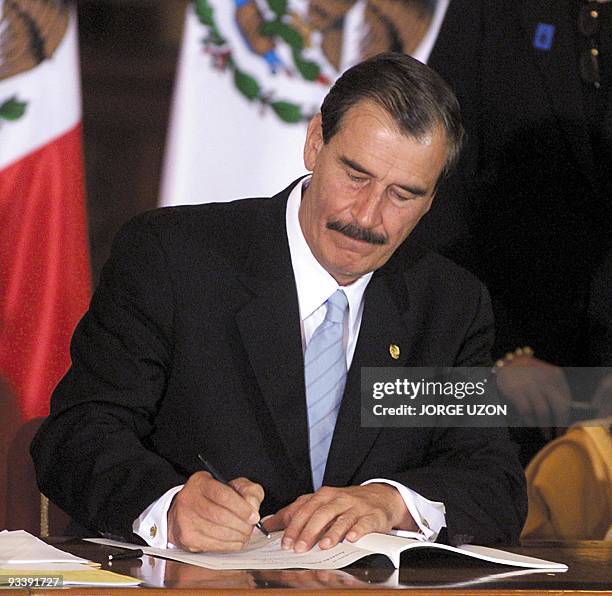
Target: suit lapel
[(270, 329), (383, 323), (559, 73)]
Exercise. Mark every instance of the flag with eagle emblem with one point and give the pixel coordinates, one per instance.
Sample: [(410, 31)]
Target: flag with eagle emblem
[(44, 261), (253, 72)]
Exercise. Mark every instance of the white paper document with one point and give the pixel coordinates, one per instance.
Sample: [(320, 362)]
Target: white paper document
[(25, 559), (20, 547), (262, 553)]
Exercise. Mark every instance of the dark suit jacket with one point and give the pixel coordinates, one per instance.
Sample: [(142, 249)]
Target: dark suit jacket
[(529, 212), (192, 344)]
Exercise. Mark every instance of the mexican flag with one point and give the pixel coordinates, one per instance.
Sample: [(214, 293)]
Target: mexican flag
[(253, 72), (44, 263)]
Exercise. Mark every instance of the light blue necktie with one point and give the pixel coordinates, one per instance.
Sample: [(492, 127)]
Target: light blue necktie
[(325, 377)]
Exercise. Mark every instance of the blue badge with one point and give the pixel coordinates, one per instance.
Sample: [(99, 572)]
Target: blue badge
[(544, 35)]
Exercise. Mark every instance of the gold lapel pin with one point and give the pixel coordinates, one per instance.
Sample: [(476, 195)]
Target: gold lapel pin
[(394, 351)]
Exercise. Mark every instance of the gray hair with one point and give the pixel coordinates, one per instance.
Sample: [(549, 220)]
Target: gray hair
[(414, 95)]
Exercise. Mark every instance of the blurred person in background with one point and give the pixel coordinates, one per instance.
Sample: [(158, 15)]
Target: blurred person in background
[(534, 190)]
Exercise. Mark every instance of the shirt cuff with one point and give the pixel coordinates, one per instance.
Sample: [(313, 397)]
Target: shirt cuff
[(430, 516), (152, 524)]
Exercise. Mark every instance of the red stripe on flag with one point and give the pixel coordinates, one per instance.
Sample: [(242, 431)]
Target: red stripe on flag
[(45, 280)]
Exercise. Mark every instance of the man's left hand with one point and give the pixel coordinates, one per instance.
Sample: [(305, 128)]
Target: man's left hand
[(332, 514)]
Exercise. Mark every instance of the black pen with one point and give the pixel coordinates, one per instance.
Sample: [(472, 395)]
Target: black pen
[(132, 553), (219, 478)]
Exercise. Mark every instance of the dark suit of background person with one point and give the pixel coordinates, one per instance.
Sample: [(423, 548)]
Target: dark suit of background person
[(600, 308), (530, 209)]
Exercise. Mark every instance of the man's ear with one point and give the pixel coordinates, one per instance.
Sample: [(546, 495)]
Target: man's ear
[(314, 142)]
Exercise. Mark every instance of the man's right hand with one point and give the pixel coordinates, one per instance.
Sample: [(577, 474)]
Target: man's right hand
[(206, 515)]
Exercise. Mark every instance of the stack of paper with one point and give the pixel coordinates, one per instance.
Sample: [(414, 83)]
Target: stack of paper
[(26, 561)]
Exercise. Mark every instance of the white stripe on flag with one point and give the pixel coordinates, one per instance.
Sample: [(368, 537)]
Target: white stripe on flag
[(221, 146), (53, 94)]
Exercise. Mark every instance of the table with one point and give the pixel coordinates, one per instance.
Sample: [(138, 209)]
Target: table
[(590, 572)]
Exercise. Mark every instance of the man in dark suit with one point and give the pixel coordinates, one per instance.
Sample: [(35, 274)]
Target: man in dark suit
[(529, 210), (201, 334)]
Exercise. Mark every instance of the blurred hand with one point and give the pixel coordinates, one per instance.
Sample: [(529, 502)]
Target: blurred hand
[(311, 579), (602, 399), (206, 515), (198, 579), (538, 390), (332, 514)]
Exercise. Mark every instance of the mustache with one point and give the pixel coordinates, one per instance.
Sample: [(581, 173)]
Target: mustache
[(356, 233)]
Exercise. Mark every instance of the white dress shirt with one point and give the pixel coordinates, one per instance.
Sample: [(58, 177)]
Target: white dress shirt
[(314, 286)]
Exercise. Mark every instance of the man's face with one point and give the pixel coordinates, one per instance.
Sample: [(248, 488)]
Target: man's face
[(370, 186)]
